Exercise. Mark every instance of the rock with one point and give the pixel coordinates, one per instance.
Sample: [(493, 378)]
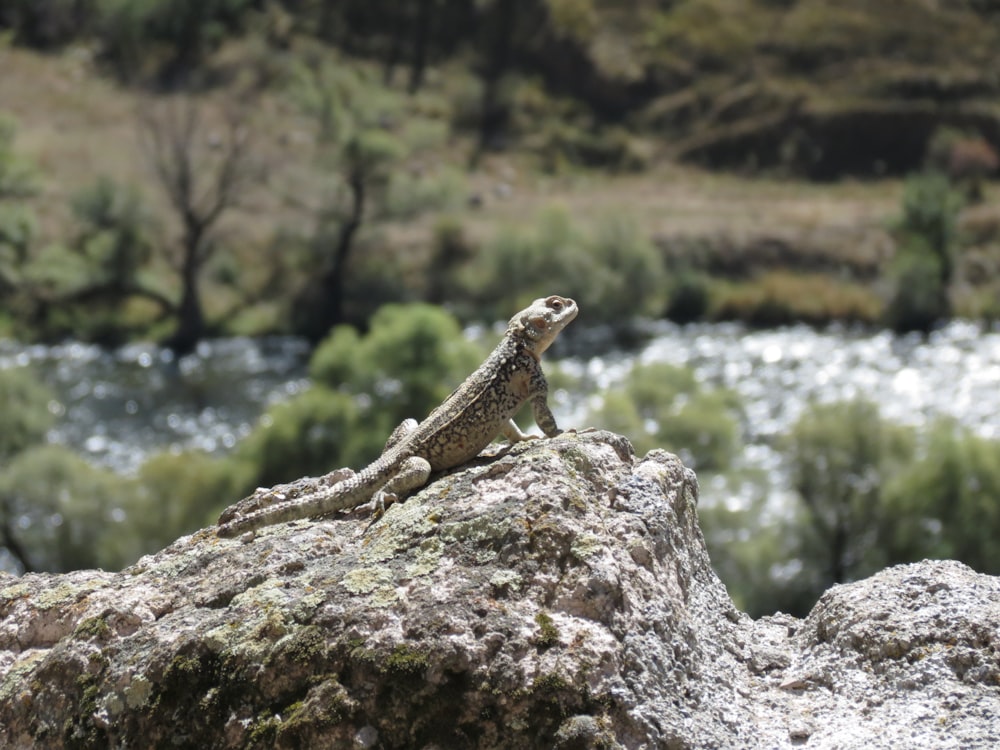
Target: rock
[(558, 595)]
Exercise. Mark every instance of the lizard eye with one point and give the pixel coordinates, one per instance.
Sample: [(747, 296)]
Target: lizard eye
[(555, 303)]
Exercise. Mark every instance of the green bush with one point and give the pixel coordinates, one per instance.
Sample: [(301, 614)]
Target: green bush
[(24, 412), (689, 297), (840, 456), (140, 36), (930, 210), (612, 272), (114, 232), (312, 434), (17, 176), (946, 503), (68, 513), (920, 299), (411, 193), (177, 494), (663, 406), (756, 551), (924, 263), (411, 359)]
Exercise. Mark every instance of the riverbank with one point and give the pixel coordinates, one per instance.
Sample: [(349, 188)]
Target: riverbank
[(118, 407)]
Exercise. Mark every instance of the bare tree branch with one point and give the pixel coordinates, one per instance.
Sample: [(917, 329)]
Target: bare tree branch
[(203, 172)]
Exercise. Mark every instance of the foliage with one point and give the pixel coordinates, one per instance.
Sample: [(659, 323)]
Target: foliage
[(17, 176), (176, 494), (613, 272), (24, 411), (63, 513), (706, 35), (780, 298), (839, 458), (171, 36), (451, 251), (930, 210), (924, 264), (920, 299), (411, 359), (689, 298), (313, 433), (664, 406), (755, 546), (362, 140), (946, 504), (115, 231), (17, 235)]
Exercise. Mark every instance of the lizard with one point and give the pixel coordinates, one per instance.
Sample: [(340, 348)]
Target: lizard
[(478, 411)]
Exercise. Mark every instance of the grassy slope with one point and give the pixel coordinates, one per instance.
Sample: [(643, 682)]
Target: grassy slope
[(76, 125)]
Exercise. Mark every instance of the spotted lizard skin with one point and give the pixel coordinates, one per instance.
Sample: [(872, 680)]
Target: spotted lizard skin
[(478, 411)]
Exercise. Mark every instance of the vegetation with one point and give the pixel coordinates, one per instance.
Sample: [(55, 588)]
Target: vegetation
[(663, 406)]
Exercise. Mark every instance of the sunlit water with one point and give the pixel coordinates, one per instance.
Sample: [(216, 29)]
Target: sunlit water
[(954, 372), (117, 407)]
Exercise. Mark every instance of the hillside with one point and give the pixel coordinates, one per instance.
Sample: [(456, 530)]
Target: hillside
[(758, 145)]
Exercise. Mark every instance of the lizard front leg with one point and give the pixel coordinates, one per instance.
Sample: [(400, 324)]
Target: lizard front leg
[(543, 415)]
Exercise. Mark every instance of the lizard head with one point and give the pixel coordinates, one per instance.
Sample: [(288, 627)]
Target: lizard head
[(541, 322)]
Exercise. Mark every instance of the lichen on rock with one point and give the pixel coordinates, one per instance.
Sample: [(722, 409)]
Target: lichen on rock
[(558, 595)]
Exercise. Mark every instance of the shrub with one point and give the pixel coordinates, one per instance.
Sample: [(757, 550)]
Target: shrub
[(839, 457), (68, 513), (613, 272), (411, 359), (17, 176), (782, 298), (114, 232), (179, 493), (689, 297), (920, 299), (315, 432), (946, 503), (24, 412), (930, 210), (924, 264), (408, 363), (663, 406)]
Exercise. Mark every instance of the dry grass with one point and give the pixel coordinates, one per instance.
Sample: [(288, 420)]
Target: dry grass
[(782, 298), (76, 125)]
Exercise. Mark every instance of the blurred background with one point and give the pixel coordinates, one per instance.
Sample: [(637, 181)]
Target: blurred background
[(241, 240)]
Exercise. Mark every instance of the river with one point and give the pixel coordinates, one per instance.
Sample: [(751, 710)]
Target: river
[(115, 407)]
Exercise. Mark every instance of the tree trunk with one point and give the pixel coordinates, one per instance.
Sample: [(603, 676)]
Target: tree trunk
[(324, 306), (493, 115), (190, 317), (419, 60)]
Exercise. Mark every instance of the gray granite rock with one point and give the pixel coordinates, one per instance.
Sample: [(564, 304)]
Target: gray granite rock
[(558, 595)]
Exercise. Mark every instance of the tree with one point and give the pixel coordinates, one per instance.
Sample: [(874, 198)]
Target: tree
[(840, 457), (355, 140), (925, 261), (26, 420), (17, 224), (203, 174), (946, 504)]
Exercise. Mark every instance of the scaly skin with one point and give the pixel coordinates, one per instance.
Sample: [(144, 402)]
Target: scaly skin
[(455, 432)]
